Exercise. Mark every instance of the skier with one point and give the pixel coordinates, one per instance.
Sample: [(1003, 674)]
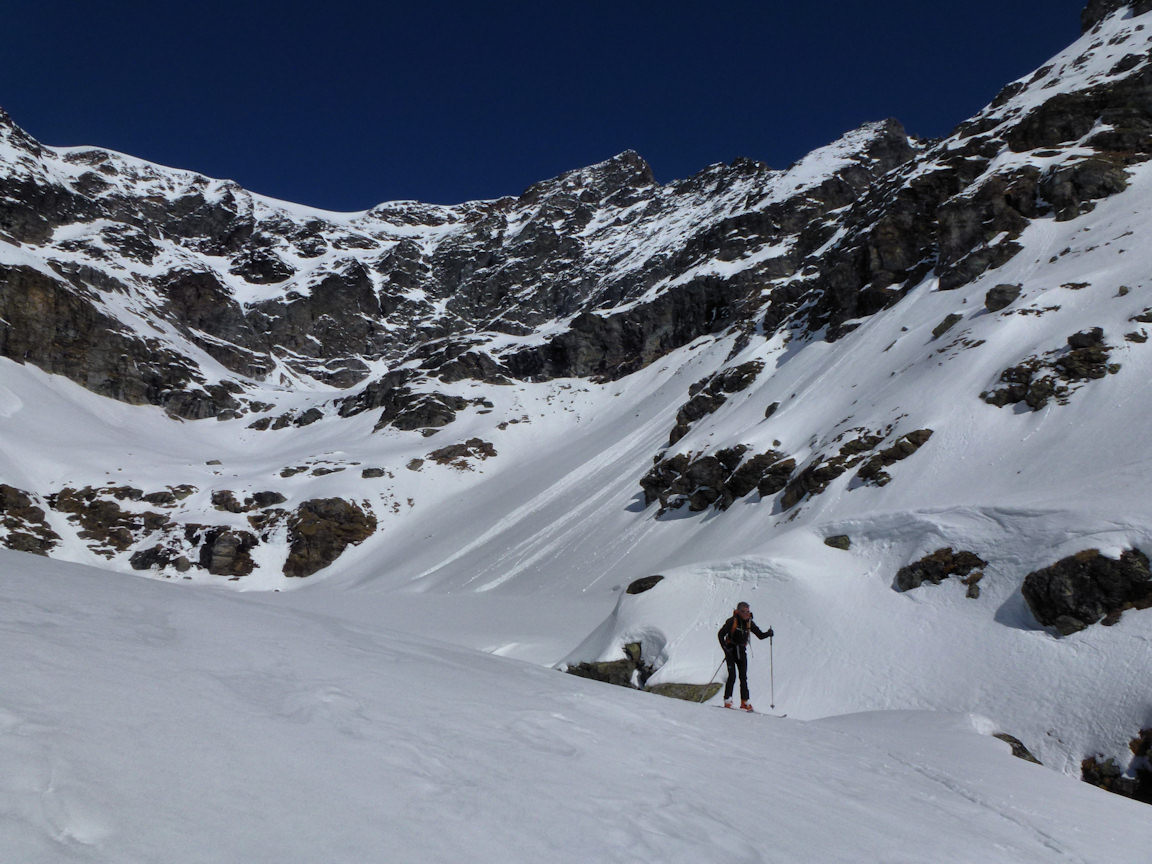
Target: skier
[(733, 637)]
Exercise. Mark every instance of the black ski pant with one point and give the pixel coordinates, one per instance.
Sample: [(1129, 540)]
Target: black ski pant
[(737, 659)]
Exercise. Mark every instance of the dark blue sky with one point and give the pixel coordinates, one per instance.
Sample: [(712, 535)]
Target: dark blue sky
[(343, 105)]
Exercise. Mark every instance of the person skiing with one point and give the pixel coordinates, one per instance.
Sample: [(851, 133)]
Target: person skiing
[(733, 637)]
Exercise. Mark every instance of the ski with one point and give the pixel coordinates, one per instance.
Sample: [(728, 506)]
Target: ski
[(760, 713)]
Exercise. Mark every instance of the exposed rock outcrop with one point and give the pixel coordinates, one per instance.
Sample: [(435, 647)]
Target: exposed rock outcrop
[(458, 456), (104, 524), (633, 671), (873, 471), (25, 528), (937, 567), (630, 671), (710, 393), (717, 479), (1088, 588), (1056, 375), (1135, 781), (644, 583), (320, 530), (1001, 297)]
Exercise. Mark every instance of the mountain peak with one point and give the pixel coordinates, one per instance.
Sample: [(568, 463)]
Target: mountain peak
[(14, 135), (626, 170), (1097, 10)]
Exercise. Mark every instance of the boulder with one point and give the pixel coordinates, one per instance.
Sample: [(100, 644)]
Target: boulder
[(688, 692), (1001, 297), (319, 532), (937, 567), (1134, 782), (1087, 588), (947, 324), (644, 583), (618, 672), (1018, 748), (227, 553), (623, 673), (262, 500), (1087, 338), (154, 556)]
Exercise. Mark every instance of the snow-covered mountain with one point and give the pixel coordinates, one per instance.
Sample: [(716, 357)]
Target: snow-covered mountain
[(821, 389)]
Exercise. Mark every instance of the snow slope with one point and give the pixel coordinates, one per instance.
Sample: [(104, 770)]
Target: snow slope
[(141, 726)]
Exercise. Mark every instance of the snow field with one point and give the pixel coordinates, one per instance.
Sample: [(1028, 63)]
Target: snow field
[(142, 723)]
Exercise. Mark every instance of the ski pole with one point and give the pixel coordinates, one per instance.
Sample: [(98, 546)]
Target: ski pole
[(714, 674), (771, 673)]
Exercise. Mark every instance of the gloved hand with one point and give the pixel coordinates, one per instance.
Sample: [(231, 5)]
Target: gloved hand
[(770, 633)]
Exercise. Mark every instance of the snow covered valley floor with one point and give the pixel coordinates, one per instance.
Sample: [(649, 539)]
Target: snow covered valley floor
[(142, 721)]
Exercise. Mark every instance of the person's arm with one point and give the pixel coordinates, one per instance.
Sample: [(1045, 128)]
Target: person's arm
[(761, 634), (722, 634)]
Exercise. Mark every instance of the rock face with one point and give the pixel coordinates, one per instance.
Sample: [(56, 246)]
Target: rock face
[(1087, 588), (554, 253), (319, 532), (107, 527), (610, 268)]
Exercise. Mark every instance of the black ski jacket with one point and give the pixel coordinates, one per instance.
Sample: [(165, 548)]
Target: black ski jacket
[(733, 633)]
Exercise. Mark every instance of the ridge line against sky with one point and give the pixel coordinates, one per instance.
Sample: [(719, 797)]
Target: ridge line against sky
[(454, 101)]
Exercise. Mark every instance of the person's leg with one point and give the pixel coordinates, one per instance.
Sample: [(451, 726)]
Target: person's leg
[(743, 666), (731, 682)]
